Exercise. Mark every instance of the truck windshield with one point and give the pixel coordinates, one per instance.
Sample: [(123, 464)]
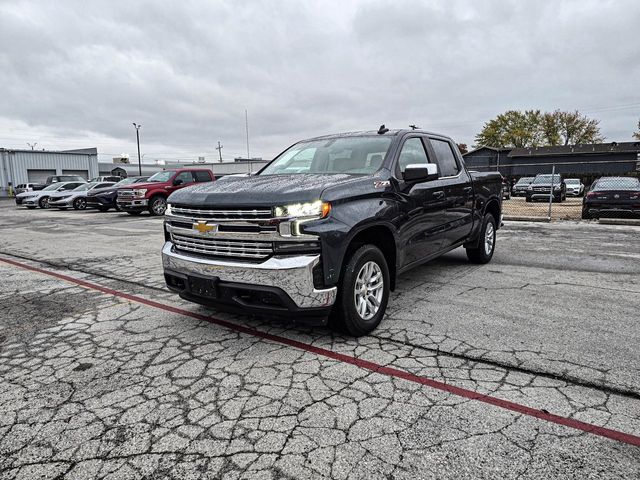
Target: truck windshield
[(160, 177), (347, 155)]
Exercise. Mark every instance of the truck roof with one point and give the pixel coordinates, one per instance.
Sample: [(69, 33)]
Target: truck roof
[(362, 133)]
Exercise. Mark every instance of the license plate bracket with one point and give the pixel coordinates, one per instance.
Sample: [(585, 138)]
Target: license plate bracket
[(203, 286)]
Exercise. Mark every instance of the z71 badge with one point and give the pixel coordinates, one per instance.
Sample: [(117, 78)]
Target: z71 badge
[(381, 184)]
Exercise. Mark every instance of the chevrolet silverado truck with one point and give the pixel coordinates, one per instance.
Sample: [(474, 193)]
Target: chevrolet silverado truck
[(152, 195), (325, 229)]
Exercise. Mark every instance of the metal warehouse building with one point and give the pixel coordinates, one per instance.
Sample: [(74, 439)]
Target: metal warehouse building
[(587, 162), (34, 166)]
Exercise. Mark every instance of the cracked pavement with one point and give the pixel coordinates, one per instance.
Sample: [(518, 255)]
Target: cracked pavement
[(93, 385)]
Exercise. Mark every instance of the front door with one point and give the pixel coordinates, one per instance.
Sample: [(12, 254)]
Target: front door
[(422, 204)]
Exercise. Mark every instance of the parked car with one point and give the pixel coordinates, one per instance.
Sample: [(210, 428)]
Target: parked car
[(328, 225), (64, 178), (105, 198), (506, 191), (76, 198), (40, 198), (575, 187), (612, 197), (108, 178), (540, 188), (152, 195), (520, 187), (28, 187)]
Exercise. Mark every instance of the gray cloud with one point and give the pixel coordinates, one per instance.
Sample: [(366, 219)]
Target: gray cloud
[(78, 73)]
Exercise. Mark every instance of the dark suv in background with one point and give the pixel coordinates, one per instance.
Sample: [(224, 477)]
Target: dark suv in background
[(105, 198), (541, 186)]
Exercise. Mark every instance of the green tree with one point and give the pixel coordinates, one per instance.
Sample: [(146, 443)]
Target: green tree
[(636, 135), (531, 128), (512, 129)]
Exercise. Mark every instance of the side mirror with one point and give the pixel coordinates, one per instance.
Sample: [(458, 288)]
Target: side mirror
[(420, 172), (177, 182)]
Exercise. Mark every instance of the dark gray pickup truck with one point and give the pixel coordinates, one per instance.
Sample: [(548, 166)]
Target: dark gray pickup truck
[(325, 229)]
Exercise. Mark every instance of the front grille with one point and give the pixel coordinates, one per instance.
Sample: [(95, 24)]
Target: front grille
[(125, 193), (222, 248), (224, 214)]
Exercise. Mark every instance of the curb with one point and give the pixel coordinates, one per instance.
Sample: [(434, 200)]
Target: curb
[(525, 219)]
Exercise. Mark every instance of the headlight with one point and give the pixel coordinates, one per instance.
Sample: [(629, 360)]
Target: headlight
[(317, 209), (168, 209), (140, 192), (556, 187)]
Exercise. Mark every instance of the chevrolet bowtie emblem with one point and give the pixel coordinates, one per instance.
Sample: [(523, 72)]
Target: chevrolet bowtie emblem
[(204, 227)]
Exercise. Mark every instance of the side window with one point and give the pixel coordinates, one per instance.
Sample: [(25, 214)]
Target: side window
[(412, 152), (103, 185), (446, 159), (186, 177), (202, 176)]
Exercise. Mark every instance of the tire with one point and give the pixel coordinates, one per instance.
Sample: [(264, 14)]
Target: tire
[(528, 200), (483, 253), (117, 207), (43, 202), (134, 213), (369, 261), (586, 215), (157, 205), (80, 203)]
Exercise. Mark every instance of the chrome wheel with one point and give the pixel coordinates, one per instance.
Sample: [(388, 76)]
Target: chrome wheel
[(159, 206), (368, 290), (489, 238), (81, 204)]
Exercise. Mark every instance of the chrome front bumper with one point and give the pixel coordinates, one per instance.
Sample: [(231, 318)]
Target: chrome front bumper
[(292, 274)]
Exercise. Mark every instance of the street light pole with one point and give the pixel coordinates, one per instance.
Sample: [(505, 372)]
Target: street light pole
[(137, 127)]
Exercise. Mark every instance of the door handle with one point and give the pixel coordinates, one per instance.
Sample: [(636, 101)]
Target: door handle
[(467, 189), (439, 195)]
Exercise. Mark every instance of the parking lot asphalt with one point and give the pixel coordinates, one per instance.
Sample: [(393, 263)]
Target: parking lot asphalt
[(527, 367)]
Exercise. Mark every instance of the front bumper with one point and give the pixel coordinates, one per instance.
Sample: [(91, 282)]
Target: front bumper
[(18, 201), (64, 203), (135, 204), (278, 284)]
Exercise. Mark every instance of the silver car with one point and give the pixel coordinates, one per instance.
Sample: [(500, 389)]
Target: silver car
[(575, 187), (40, 198), (76, 198)]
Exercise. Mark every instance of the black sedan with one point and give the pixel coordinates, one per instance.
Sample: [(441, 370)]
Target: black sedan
[(105, 198), (612, 197)]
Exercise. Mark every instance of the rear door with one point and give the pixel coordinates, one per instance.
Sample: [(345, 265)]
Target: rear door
[(458, 189), (423, 204)]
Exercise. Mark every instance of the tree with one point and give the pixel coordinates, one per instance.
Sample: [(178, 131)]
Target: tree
[(636, 135), (513, 129), (531, 128), (463, 148)]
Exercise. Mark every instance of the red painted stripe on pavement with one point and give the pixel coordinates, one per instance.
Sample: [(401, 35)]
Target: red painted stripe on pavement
[(341, 357)]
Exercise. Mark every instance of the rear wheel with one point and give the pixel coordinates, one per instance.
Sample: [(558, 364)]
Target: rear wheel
[(43, 202), (363, 293), (487, 242), (80, 203), (157, 205)]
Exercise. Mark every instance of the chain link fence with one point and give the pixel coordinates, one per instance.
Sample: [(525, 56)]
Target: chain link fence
[(567, 191)]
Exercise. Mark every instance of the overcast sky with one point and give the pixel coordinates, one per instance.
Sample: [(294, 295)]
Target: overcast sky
[(77, 74)]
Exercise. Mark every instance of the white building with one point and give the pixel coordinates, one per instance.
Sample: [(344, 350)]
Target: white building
[(34, 166)]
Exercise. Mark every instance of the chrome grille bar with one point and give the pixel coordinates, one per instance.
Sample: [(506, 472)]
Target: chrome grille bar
[(227, 248), (246, 215)]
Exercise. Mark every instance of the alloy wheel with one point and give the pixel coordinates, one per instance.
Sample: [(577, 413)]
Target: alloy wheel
[(368, 290)]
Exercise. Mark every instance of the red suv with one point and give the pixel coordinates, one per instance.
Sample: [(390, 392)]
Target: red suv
[(152, 194)]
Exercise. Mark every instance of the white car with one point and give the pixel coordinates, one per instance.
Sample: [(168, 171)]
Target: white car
[(575, 187), (76, 198), (40, 198)]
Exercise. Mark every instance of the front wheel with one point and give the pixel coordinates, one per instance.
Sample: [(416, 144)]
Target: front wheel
[(43, 202), (364, 291), (157, 206), (80, 203), (487, 242)]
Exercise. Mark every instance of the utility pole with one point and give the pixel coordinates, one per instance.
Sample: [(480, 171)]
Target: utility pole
[(219, 148), (137, 127), (246, 126)]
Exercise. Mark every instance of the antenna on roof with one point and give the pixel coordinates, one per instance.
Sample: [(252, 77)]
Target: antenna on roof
[(413, 127), (382, 130)]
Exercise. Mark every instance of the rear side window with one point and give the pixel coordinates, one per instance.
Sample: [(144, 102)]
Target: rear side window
[(186, 177), (202, 176), (412, 153), (446, 159)]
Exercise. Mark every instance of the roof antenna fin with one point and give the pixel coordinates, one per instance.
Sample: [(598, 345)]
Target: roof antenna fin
[(382, 130)]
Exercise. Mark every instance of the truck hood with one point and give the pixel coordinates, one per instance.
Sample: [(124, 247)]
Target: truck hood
[(136, 186), (263, 190)]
